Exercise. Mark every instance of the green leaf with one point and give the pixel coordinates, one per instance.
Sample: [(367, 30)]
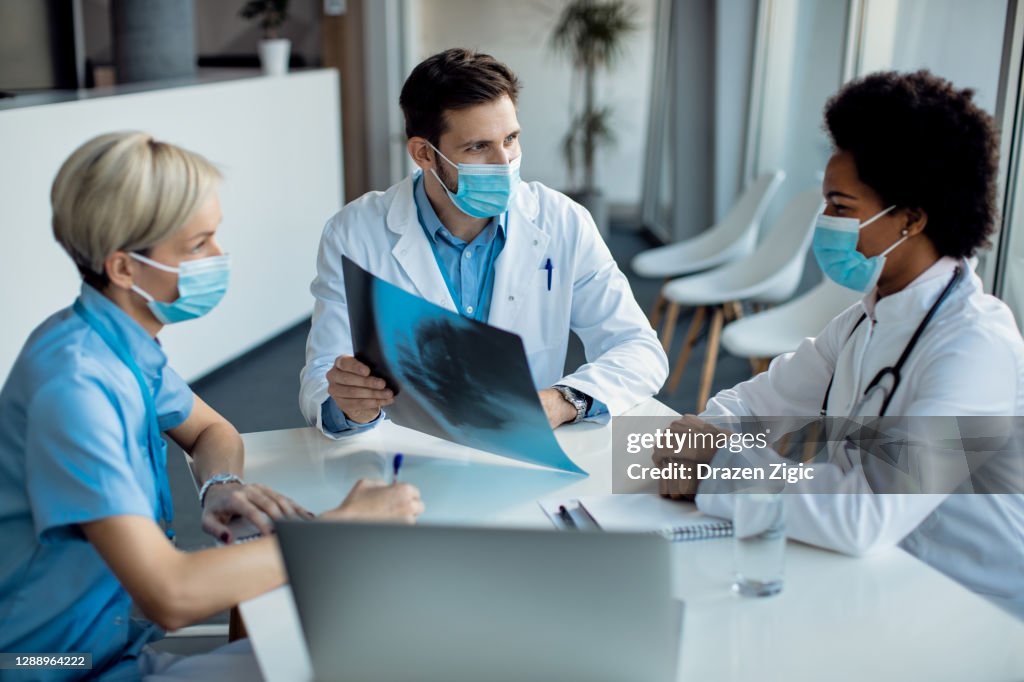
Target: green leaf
[(592, 34), (271, 14)]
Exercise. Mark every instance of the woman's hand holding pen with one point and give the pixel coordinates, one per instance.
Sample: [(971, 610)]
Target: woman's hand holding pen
[(377, 501)]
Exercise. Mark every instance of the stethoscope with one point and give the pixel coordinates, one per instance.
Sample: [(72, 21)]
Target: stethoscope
[(893, 371)]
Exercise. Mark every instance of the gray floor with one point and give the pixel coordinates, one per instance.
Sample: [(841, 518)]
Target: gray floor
[(259, 391)]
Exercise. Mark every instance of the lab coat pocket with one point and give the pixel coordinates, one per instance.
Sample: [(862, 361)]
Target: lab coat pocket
[(545, 313)]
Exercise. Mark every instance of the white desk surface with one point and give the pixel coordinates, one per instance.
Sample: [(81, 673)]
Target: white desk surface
[(883, 617)]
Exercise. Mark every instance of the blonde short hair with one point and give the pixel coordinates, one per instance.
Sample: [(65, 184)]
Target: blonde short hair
[(125, 192)]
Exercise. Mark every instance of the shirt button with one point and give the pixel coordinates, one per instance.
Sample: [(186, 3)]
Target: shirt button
[(118, 620), (469, 309), (469, 254), (511, 298), (535, 242)]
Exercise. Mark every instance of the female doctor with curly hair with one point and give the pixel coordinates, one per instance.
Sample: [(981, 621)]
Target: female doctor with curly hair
[(909, 199)]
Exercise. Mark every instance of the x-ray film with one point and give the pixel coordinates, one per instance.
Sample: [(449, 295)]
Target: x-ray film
[(453, 377)]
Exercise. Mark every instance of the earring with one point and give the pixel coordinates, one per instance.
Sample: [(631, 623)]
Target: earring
[(904, 233)]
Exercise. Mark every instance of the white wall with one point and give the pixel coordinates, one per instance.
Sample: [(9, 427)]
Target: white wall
[(282, 181), (518, 34)]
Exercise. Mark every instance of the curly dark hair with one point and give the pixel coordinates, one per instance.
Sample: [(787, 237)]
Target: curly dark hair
[(921, 143)]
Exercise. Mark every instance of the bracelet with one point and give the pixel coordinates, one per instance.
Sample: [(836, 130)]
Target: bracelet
[(217, 479)]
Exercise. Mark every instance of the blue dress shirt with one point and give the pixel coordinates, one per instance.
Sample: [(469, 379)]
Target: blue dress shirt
[(74, 449)]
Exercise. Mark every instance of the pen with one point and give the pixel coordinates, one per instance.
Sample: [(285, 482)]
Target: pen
[(566, 517), (395, 466), (550, 268)]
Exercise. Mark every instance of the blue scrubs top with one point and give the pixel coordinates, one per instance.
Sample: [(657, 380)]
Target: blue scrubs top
[(73, 449)]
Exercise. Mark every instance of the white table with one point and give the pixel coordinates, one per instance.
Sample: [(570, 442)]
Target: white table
[(883, 617)]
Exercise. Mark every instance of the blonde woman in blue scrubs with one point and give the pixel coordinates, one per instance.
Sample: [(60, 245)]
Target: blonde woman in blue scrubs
[(85, 508)]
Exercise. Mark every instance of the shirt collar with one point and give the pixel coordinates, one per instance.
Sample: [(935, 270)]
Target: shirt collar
[(144, 349), (919, 295), (433, 226)]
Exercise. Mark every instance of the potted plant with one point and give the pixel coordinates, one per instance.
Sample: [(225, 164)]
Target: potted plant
[(591, 33), (274, 51)]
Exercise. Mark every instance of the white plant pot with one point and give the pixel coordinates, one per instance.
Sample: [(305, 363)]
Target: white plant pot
[(274, 56)]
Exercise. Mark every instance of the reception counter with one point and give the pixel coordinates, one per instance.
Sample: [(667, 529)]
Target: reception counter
[(277, 142)]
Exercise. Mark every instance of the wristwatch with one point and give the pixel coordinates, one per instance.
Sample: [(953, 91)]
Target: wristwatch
[(217, 479), (578, 399)]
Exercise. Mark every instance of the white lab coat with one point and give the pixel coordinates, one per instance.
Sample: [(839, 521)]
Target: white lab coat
[(969, 361), (589, 294)]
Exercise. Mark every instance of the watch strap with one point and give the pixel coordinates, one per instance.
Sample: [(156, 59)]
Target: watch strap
[(217, 479), (578, 399)]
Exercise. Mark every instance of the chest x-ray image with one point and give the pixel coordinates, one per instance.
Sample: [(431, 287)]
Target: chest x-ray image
[(453, 377)]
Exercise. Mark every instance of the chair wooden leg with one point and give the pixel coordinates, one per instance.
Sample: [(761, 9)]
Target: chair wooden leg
[(659, 307), (737, 310), (684, 352), (710, 359), (236, 626), (671, 318), (782, 445), (815, 434), (758, 365)]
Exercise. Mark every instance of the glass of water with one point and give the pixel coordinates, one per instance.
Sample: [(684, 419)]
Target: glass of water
[(759, 543)]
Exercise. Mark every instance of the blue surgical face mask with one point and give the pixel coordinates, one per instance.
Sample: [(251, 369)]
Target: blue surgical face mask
[(485, 189), (202, 283), (835, 248)]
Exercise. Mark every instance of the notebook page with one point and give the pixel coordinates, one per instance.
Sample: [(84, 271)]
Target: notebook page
[(644, 513)]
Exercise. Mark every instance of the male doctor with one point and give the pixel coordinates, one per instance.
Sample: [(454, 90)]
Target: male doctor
[(466, 234)]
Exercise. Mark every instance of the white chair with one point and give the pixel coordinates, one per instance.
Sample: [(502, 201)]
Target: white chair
[(768, 275), (771, 333), (731, 238)]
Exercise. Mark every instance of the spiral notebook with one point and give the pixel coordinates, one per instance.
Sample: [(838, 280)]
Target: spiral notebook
[(677, 521)]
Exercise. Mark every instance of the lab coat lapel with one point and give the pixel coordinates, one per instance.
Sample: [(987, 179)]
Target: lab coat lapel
[(412, 252), (524, 252)]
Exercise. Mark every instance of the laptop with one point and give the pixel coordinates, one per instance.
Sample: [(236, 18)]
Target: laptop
[(460, 604)]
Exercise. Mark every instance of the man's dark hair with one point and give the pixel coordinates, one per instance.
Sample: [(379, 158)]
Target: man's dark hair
[(451, 80), (921, 143)]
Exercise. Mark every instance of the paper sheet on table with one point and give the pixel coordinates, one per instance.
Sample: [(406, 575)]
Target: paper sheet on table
[(453, 377)]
